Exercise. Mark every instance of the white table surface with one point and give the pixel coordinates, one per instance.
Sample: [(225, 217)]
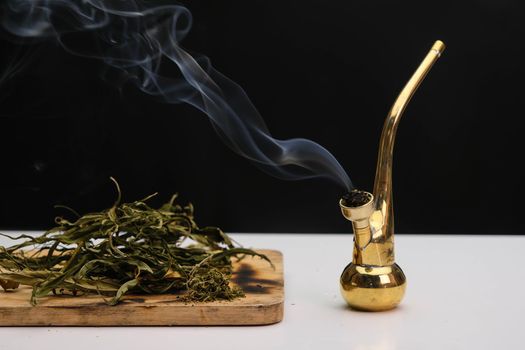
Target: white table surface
[(464, 292)]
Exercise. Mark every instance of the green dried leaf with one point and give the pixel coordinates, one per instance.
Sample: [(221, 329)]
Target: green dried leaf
[(128, 248), (123, 290)]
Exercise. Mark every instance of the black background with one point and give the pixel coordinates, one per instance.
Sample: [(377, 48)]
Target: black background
[(327, 71)]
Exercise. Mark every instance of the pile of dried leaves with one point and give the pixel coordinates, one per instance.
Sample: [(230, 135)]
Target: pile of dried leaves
[(127, 248)]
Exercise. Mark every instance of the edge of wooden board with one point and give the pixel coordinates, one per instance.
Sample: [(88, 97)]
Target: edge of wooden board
[(263, 304)]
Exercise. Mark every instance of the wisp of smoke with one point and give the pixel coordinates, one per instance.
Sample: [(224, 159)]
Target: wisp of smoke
[(141, 38)]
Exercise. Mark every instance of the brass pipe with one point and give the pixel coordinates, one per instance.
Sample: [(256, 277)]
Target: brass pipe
[(373, 281)]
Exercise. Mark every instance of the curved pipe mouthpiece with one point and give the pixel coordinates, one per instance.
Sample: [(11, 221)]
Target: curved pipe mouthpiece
[(373, 281)]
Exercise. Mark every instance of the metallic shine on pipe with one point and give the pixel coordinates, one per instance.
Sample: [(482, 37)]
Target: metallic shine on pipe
[(373, 281)]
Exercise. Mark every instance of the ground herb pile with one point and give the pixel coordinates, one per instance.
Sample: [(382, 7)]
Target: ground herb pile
[(129, 248)]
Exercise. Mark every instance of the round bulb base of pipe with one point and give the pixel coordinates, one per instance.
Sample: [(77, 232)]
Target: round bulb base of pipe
[(373, 288)]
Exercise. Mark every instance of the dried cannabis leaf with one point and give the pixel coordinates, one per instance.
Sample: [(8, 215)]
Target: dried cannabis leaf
[(129, 247)]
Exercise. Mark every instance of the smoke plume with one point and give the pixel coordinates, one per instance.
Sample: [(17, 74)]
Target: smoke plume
[(142, 40)]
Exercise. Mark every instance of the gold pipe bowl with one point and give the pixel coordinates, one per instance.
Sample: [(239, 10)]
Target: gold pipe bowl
[(361, 212)]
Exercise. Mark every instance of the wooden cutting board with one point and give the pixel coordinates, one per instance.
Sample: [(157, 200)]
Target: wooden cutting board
[(263, 304)]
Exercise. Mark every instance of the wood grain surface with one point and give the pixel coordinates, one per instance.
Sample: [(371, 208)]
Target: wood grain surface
[(263, 304)]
